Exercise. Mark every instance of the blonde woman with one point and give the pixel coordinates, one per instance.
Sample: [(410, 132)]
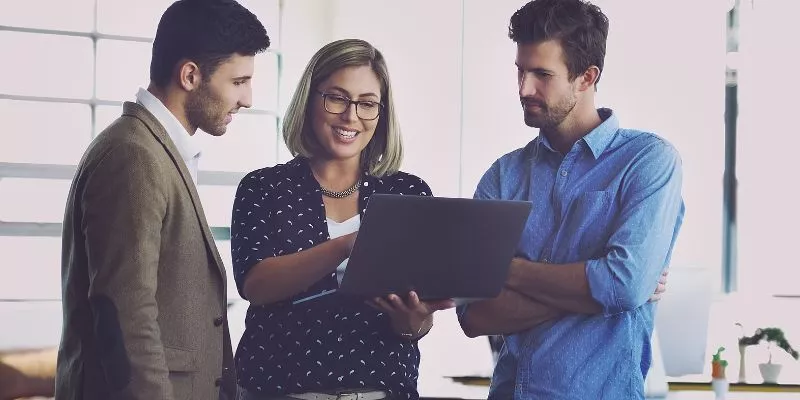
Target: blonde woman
[(292, 229)]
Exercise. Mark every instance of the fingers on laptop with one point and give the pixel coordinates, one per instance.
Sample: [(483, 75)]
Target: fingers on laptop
[(391, 303)]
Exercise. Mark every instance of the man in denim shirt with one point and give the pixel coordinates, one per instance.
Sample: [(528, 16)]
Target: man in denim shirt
[(607, 207)]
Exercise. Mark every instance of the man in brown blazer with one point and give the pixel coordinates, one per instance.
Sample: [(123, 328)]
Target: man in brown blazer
[(144, 292)]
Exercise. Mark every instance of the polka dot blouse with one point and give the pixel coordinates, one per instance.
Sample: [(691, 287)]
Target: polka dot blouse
[(327, 343)]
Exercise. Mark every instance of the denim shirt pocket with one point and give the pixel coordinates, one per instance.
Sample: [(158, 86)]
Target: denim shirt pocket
[(588, 221)]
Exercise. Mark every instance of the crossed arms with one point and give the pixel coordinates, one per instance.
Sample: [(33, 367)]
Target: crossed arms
[(630, 273)]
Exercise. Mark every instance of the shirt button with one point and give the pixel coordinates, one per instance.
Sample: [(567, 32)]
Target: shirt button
[(564, 172), (366, 183), (545, 260), (218, 321), (339, 339)]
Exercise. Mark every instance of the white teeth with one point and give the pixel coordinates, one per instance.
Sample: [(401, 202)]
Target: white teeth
[(345, 134)]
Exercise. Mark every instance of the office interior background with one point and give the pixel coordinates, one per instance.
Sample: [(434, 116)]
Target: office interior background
[(68, 65)]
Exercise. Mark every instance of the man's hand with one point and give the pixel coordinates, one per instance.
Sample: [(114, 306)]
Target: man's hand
[(661, 287), (412, 316), (509, 312)]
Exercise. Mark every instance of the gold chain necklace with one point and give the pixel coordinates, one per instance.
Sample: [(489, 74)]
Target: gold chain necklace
[(343, 193)]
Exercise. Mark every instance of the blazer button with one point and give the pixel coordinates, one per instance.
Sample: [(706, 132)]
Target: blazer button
[(218, 321), (218, 382)]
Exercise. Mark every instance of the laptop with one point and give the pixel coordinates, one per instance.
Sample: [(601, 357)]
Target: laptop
[(439, 247)]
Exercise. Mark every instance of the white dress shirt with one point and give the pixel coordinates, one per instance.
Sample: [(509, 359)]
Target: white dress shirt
[(187, 145)]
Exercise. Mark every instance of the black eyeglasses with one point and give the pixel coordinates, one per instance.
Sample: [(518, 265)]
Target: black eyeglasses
[(338, 104)]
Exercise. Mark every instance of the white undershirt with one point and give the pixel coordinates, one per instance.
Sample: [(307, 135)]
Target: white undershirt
[(336, 229), (188, 145)]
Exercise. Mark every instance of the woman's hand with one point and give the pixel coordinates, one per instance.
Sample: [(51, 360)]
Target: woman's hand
[(412, 318)]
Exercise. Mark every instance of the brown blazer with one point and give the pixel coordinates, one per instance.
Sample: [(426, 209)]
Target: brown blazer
[(144, 292)]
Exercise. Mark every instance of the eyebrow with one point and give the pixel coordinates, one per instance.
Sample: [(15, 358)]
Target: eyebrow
[(243, 77), (337, 88)]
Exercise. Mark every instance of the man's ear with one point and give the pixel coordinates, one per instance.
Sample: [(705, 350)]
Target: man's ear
[(589, 77), (189, 76)]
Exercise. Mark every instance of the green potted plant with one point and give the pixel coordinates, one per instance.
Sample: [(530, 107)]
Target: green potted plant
[(773, 337), (718, 365), (719, 384)]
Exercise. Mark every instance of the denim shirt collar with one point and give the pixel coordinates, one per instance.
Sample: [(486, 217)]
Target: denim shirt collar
[(598, 139)]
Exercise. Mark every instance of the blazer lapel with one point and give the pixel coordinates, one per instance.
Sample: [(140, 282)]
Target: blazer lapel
[(159, 132)]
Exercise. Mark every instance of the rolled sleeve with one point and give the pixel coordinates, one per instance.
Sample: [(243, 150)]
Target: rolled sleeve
[(641, 242), (250, 227)]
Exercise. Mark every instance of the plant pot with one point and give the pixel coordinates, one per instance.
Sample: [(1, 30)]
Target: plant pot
[(717, 370), (770, 372), (720, 387)]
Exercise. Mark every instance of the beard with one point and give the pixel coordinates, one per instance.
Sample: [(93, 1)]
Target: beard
[(549, 116), (206, 110)]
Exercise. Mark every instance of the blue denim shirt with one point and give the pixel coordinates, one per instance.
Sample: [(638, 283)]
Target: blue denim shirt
[(615, 202)]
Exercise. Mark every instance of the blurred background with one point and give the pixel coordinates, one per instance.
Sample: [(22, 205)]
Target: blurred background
[(714, 77)]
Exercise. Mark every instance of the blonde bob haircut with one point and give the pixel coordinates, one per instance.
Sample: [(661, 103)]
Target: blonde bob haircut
[(384, 153)]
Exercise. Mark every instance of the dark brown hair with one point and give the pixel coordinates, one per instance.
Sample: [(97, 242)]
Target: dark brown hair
[(579, 26)]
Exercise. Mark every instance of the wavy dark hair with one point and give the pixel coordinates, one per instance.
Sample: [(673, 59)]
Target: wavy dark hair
[(579, 26), (206, 32)]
